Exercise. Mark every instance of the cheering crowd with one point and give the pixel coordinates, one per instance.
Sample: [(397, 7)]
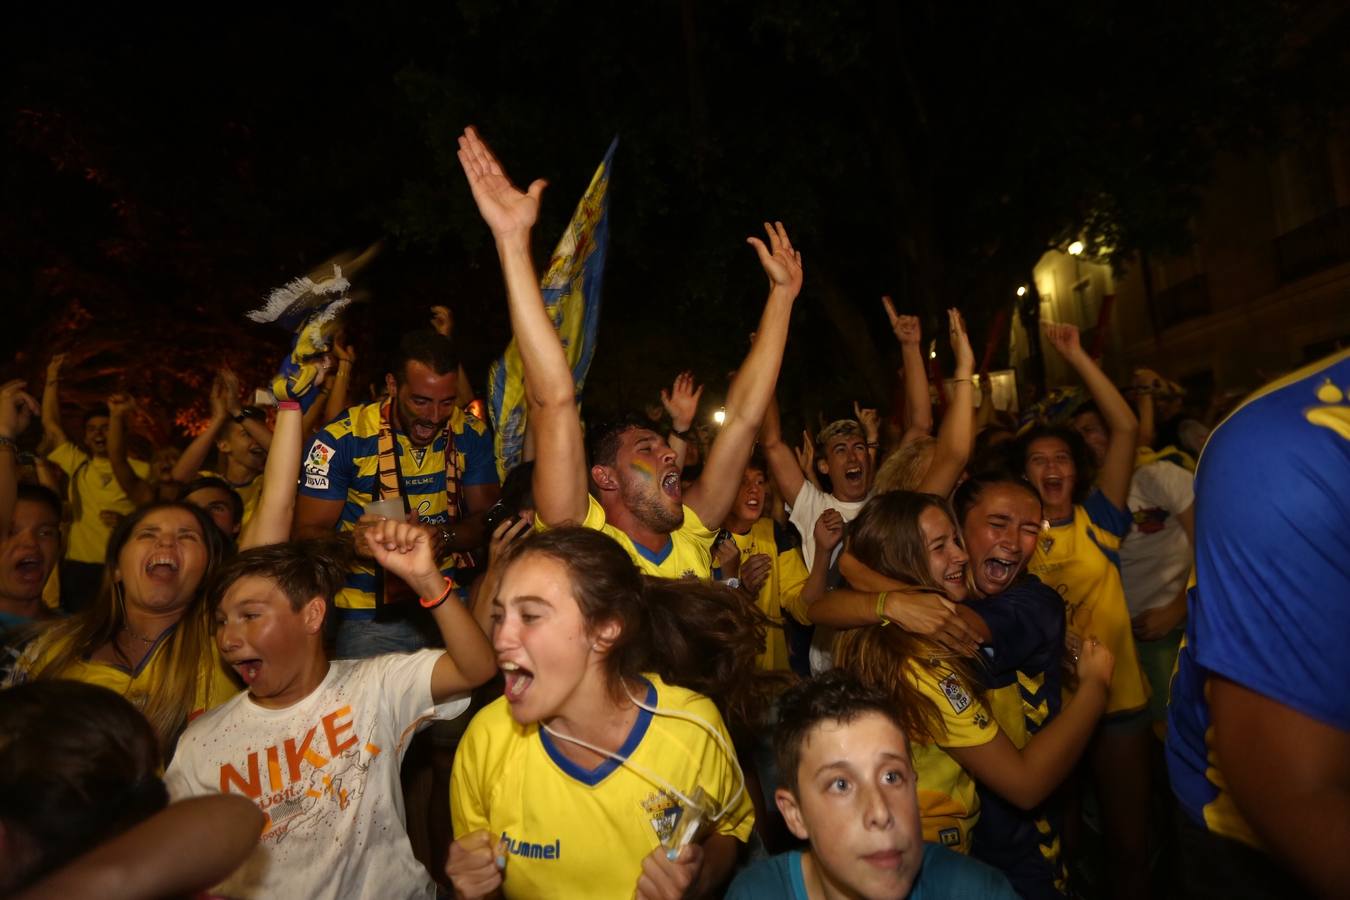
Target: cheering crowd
[(1096, 652)]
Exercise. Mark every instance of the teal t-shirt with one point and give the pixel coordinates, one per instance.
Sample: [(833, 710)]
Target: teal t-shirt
[(942, 874)]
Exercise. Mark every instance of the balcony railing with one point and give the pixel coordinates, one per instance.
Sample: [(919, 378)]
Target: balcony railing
[(1320, 244)]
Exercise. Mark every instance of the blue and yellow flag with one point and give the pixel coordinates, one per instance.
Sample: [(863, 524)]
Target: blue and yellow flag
[(571, 289)]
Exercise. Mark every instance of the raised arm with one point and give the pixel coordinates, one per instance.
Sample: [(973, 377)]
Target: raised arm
[(1118, 466), (17, 409), (406, 549), (752, 389), (53, 435), (560, 474), (194, 456), (1146, 382), (342, 378), (681, 403), (271, 522), (138, 491), (957, 433), (1026, 777), (918, 406), (781, 459)]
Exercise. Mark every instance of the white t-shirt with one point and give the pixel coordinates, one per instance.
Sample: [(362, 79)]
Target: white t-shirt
[(326, 774), (1155, 557), (806, 509)]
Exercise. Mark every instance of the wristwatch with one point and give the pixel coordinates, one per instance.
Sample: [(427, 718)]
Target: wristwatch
[(733, 582)]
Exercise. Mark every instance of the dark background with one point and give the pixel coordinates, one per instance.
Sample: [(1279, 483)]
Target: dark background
[(162, 173)]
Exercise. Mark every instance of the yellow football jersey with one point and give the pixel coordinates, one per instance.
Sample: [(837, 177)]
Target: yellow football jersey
[(215, 684), (1080, 559), (567, 831), (688, 555), (949, 805), (782, 593), (93, 489)]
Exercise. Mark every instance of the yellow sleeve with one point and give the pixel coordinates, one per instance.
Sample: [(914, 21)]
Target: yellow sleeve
[(967, 721), (693, 526), (595, 517), (740, 819), (468, 805), (68, 457), (792, 576)]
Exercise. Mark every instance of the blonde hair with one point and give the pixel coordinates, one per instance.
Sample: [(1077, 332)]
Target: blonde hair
[(69, 641), (904, 469)]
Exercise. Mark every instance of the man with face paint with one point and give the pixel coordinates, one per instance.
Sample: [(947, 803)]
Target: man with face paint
[(637, 497), (416, 446), (98, 500)]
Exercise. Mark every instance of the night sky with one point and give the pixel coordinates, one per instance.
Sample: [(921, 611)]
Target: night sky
[(161, 174)]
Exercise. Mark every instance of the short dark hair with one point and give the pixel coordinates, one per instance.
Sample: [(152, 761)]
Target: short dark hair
[(301, 569), (37, 493), (1084, 465), (834, 696), (968, 494), (78, 765), (99, 410), (757, 462), (604, 435), (210, 481), (430, 348)]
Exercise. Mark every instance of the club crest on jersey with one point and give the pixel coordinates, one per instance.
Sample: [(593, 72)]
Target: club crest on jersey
[(1046, 543), (665, 812), (955, 693), (949, 837)]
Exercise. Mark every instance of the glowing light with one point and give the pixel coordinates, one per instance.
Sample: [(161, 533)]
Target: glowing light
[(1076, 248), (932, 354), (1022, 290), (720, 416)]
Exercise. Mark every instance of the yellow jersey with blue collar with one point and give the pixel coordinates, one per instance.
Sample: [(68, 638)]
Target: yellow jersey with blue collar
[(782, 592), (1080, 559), (568, 831), (1269, 609), (214, 684), (92, 490), (342, 463), (687, 555)]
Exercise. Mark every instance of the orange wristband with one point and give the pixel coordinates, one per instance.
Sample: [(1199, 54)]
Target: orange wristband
[(445, 595)]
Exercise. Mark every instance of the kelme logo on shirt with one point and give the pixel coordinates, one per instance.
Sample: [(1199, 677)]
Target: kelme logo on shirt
[(528, 850), (1336, 414), (955, 693)]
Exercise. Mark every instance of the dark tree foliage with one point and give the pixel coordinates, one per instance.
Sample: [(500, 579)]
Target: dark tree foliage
[(161, 174)]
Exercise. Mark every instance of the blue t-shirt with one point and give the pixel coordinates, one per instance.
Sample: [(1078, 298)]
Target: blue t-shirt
[(942, 874), (1271, 606)]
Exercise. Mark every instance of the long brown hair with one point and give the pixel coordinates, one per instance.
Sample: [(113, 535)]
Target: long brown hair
[(886, 537), (699, 636), (71, 640)]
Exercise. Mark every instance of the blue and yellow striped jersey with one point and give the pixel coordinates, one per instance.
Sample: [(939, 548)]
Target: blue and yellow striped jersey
[(341, 463), (1269, 610)]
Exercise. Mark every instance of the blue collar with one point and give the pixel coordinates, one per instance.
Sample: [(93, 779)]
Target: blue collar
[(594, 776)]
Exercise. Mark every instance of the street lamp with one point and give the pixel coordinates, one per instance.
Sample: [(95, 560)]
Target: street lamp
[(1076, 248), (720, 416), (1021, 290)]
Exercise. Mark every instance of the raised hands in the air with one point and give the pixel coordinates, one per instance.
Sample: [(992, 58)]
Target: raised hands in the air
[(781, 263), (506, 208)]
